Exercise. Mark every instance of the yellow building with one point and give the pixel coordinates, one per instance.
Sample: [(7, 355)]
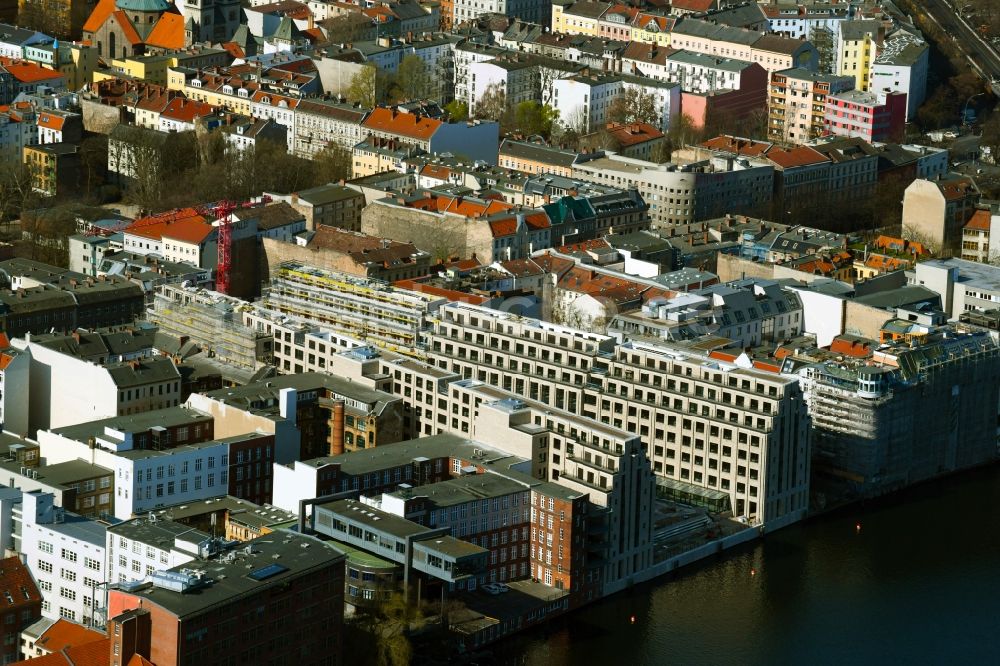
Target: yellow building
[(214, 89), (378, 155), (856, 49), (54, 168), (651, 29), (76, 62), (149, 68), (579, 18)]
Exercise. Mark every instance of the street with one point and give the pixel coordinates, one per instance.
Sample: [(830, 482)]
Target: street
[(982, 57)]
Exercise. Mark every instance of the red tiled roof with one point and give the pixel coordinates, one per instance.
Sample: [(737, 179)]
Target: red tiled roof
[(720, 355), (52, 122), (634, 133), (233, 49), (737, 145), (409, 125), (464, 264), (185, 225), (16, 583), (693, 5), (438, 171), (460, 206), (767, 366), (855, 348), (583, 246), (980, 221), (186, 110), (128, 30), (788, 158), (5, 360), (433, 290), (28, 72), (168, 33), (957, 188), (100, 14), (4, 341), (64, 634)]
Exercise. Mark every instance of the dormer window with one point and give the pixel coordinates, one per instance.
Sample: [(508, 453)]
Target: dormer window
[(227, 90), (243, 92)]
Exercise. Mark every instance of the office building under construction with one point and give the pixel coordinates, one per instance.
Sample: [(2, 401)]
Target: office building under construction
[(213, 321), (369, 310)]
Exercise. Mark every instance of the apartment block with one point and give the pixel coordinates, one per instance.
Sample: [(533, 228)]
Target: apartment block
[(680, 194), (65, 389), (978, 239), (142, 546), (857, 46), (902, 65), (797, 103), (66, 555), (706, 425), (748, 312), (935, 212), (866, 115)]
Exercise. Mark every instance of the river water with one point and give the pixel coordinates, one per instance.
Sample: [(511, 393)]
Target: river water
[(919, 583)]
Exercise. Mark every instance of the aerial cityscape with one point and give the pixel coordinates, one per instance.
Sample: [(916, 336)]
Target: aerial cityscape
[(499, 331)]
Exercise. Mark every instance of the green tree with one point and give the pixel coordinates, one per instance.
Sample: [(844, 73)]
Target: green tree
[(535, 118), (492, 104), (457, 110), (332, 164), (412, 78), (362, 89), (633, 106)]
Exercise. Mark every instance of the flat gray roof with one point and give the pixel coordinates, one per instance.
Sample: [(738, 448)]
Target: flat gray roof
[(296, 555)]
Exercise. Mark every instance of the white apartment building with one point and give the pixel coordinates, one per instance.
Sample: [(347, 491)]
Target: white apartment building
[(532, 11), (319, 123), (139, 547), (902, 65), (803, 22), (148, 479), (707, 425), (681, 194), (584, 101), (66, 555), (586, 456), (66, 390), (279, 108), (700, 73)]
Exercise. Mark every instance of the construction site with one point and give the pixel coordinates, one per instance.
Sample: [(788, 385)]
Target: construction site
[(372, 311), (214, 322), (868, 436)]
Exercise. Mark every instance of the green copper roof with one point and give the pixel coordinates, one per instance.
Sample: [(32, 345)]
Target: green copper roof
[(143, 5)]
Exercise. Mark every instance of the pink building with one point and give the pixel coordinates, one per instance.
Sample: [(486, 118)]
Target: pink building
[(866, 115)]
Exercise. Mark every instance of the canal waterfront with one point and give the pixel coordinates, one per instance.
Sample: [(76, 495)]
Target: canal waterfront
[(918, 583)]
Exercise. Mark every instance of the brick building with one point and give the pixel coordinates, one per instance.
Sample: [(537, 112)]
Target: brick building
[(20, 605), (280, 597)]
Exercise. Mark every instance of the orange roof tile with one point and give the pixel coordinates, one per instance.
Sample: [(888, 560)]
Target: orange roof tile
[(403, 124), (957, 188), (139, 660), (788, 158), (4, 341), (168, 33), (100, 14), (234, 49), (723, 355), (980, 221), (855, 348), (738, 145), (49, 121), (464, 297), (186, 110), (766, 366), (634, 133), (128, 30), (5, 360), (314, 35), (185, 225), (64, 634), (28, 72)]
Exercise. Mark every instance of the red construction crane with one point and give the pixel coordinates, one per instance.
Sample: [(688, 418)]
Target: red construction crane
[(223, 211)]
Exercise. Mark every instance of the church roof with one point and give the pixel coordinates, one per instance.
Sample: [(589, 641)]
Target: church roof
[(144, 5)]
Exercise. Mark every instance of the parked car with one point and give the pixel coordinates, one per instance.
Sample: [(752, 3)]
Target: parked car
[(495, 588)]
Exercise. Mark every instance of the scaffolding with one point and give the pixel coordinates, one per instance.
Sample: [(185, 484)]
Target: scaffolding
[(212, 321)]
